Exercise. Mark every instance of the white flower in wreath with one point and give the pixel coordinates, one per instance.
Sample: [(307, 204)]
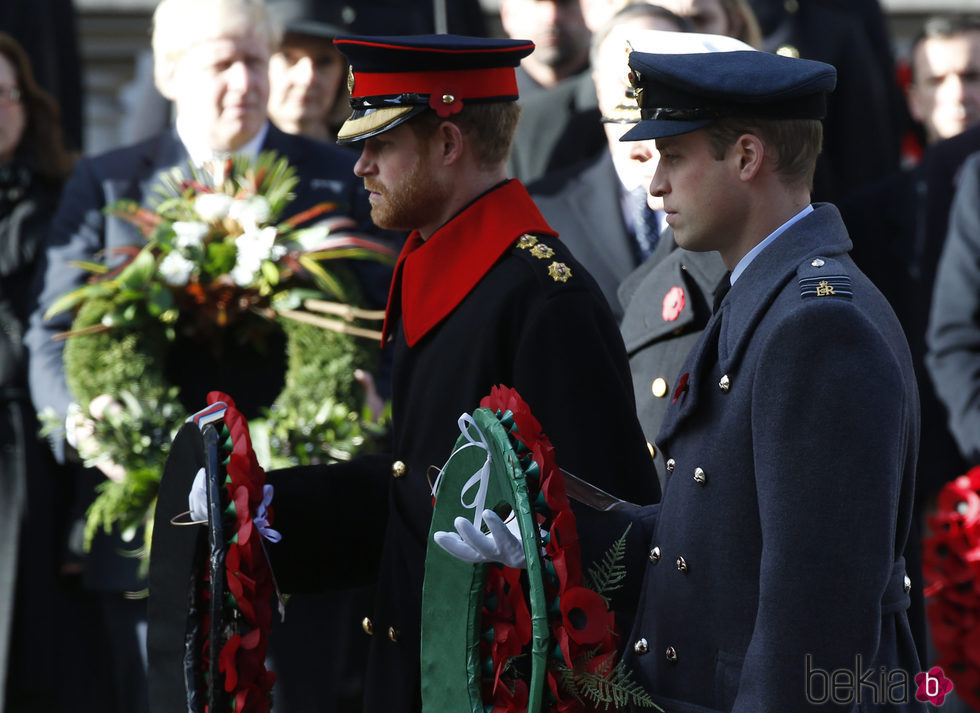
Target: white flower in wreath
[(212, 207), (250, 212), (253, 246), (175, 269), (311, 238), (190, 234)]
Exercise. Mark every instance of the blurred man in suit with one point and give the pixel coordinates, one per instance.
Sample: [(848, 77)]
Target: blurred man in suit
[(560, 36), (944, 91), (600, 207)]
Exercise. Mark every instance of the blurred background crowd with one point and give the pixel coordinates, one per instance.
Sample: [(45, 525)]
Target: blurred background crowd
[(77, 80)]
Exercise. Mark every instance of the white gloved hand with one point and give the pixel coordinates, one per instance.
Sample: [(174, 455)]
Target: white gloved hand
[(197, 499), (503, 544)]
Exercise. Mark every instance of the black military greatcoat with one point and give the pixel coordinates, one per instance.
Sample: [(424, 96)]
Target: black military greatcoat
[(490, 298)]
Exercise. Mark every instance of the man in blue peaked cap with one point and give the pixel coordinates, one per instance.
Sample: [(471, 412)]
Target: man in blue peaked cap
[(775, 578)]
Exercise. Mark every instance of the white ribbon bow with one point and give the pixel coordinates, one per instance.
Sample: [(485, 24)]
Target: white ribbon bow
[(480, 479), (261, 520)]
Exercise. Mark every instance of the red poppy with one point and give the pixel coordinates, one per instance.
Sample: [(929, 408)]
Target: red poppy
[(582, 627), (585, 616), (673, 304), (445, 103), (681, 387)]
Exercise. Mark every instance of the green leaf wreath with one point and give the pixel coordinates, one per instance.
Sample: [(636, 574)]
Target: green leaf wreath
[(220, 269)]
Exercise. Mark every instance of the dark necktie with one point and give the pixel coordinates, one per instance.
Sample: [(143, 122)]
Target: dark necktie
[(646, 224), (721, 290)]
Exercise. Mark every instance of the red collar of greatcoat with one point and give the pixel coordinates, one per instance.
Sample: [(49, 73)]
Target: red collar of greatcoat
[(433, 276)]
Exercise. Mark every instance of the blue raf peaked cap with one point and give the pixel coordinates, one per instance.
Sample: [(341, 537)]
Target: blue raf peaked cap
[(391, 79), (680, 93)]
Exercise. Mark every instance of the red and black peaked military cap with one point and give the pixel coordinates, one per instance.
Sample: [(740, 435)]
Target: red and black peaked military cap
[(391, 79)]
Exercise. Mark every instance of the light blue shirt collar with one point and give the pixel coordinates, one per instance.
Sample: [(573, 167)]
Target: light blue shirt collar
[(753, 253)]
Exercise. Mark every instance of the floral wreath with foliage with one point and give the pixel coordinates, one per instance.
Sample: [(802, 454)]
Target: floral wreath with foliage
[(577, 646), (951, 565), (220, 270)]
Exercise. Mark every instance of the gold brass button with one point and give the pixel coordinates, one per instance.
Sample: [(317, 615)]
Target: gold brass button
[(653, 451), (398, 469), (670, 465), (682, 565), (393, 634), (659, 387), (367, 625), (699, 477), (448, 98), (641, 646), (655, 555), (724, 384), (671, 654)]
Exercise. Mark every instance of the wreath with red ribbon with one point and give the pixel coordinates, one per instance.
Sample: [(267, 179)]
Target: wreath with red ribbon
[(951, 565), (581, 624), (537, 639), (248, 582)]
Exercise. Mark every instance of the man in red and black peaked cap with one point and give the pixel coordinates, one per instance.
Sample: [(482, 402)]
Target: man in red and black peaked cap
[(483, 294)]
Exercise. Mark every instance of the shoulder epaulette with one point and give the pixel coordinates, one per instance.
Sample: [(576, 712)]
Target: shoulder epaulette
[(558, 271), (824, 277)]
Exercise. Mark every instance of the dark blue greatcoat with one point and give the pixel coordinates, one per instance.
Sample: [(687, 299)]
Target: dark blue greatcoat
[(791, 454)]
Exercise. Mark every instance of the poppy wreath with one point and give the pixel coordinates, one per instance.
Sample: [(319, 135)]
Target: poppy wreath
[(951, 565), (540, 639), (244, 684)]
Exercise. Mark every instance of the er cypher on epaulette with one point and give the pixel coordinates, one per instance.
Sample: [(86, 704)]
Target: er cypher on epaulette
[(824, 277)]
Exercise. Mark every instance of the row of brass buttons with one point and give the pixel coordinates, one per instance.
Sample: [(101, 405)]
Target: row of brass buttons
[(680, 562), (368, 627), (658, 387), (700, 477), (398, 470), (642, 646)]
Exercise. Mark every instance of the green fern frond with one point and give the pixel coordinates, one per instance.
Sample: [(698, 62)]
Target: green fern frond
[(607, 575), (607, 690)]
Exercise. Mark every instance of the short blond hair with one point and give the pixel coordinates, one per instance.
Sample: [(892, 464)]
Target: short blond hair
[(180, 24)]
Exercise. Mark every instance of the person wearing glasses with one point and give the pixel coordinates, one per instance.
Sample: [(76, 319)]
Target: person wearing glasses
[(33, 166)]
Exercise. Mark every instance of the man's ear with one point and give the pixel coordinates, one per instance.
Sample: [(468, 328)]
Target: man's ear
[(163, 77), (450, 141), (750, 153), (916, 109)]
